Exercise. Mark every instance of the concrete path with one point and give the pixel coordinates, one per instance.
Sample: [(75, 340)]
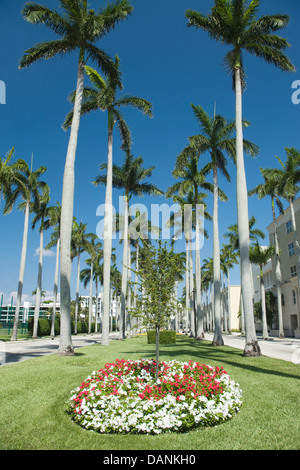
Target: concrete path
[(287, 349), (18, 351)]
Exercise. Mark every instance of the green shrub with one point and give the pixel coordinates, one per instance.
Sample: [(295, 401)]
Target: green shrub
[(165, 337), (44, 326)]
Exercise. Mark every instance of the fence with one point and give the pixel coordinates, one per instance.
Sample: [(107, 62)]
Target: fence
[(7, 317)]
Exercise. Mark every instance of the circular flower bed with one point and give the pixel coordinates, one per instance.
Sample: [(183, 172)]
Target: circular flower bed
[(123, 397)]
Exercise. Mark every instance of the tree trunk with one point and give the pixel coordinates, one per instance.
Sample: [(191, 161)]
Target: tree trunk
[(228, 303), (187, 289), (278, 275), (263, 305), (107, 243), (77, 294), (38, 288), (191, 288), (157, 352), (91, 297), (52, 334), (217, 339), (128, 319), (122, 334), (65, 343), (21, 274), (199, 330), (96, 289), (251, 346)]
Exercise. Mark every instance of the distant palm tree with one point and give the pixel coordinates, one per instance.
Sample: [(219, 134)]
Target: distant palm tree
[(269, 188), (103, 97), (79, 243), (235, 23), (192, 179), (93, 248), (54, 218), (261, 256), (27, 187), (217, 139), (41, 210), (79, 29), (8, 171), (229, 258), (129, 177)]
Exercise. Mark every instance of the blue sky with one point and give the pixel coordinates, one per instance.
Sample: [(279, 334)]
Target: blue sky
[(163, 61)]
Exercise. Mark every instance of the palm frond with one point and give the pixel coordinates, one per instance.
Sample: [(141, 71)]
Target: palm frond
[(46, 50)]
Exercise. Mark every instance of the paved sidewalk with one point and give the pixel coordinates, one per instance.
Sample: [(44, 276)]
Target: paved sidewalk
[(287, 349), (21, 350)]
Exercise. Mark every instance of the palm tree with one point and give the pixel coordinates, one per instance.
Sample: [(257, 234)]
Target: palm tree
[(191, 179), (288, 178), (27, 187), (217, 139), (8, 171), (78, 28), (269, 188), (261, 256), (54, 218), (229, 257), (129, 177), (93, 248), (103, 97), (235, 23), (79, 242), (233, 239), (41, 210)]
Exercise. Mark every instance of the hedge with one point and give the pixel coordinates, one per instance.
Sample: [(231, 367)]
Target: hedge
[(44, 327), (165, 337)]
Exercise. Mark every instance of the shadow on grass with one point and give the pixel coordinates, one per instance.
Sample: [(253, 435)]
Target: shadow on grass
[(203, 351)]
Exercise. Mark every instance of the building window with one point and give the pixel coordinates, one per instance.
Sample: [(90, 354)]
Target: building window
[(282, 300), (294, 297), (291, 249), (288, 226), (293, 271)]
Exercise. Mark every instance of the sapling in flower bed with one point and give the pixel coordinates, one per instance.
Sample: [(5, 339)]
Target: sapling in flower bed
[(158, 272)]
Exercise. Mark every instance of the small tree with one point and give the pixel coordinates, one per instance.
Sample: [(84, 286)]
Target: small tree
[(157, 275)]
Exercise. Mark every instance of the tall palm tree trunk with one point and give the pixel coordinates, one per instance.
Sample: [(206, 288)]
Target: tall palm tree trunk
[(278, 275), (199, 329), (186, 286), (263, 305), (21, 275), (228, 302), (122, 333), (65, 343), (38, 288), (128, 319), (217, 339), (191, 288), (52, 333), (77, 294), (91, 295), (107, 244), (251, 346)]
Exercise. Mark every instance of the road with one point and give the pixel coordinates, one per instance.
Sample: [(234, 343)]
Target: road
[(287, 349)]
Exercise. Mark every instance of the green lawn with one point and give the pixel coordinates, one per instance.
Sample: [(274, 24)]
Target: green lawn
[(33, 395)]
